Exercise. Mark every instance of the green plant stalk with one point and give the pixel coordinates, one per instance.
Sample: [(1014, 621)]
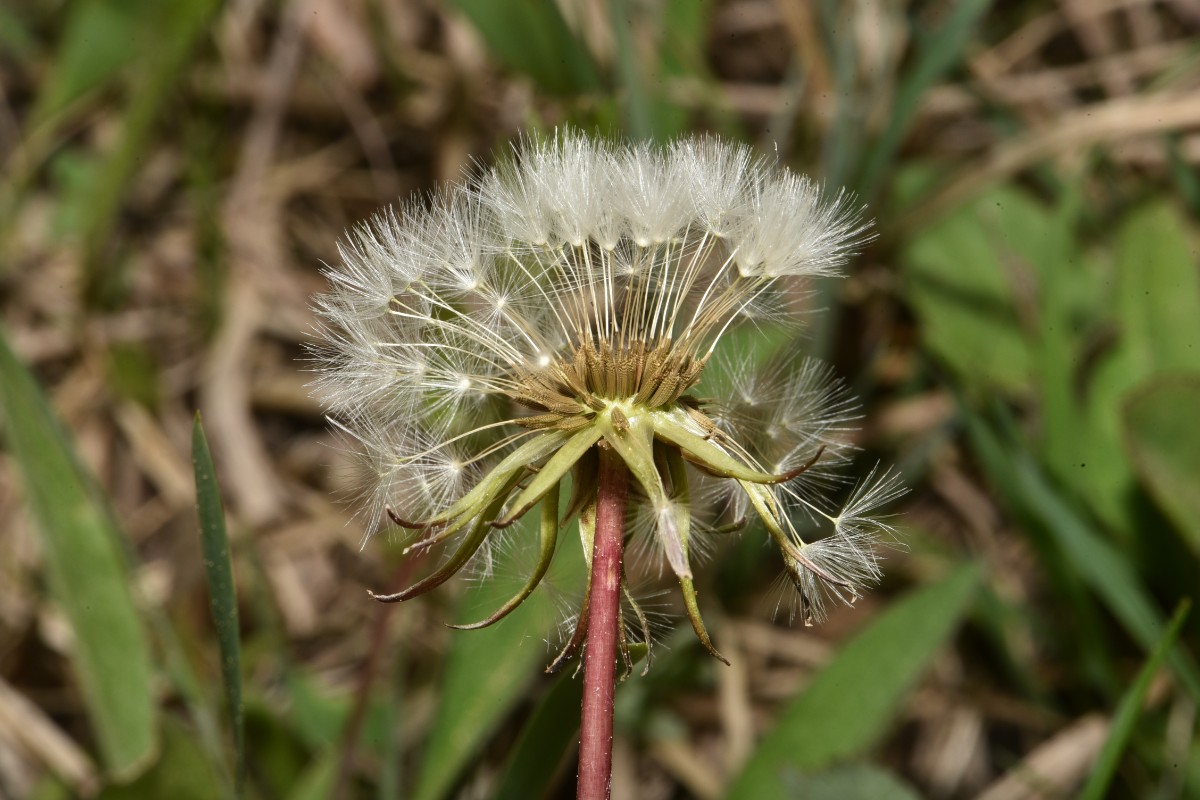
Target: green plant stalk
[(181, 30), (1126, 718), (603, 626), (218, 570)]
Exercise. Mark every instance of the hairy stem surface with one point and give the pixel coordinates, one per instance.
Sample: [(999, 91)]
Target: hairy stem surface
[(604, 619)]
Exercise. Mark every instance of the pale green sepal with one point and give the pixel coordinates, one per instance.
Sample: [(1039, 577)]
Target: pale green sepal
[(676, 427), (587, 531), (766, 504), (518, 459), (677, 471), (790, 545), (551, 472), (547, 540), (463, 520), (635, 446), (485, 491), (462, 555), (585, 477)]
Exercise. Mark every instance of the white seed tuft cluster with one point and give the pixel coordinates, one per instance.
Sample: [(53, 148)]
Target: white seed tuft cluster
[(570, 298)]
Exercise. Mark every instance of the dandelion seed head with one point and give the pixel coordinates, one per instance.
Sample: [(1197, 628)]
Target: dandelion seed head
[(479, 346)]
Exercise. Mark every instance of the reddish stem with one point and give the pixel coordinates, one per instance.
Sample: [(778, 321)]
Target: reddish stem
[(604, 617)]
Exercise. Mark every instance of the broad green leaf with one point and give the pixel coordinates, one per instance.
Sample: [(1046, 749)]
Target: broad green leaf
[(551, 736), (1129, 710), (222, 594), (1156, 294), (849, 705), (315, 715), (280, 753), (1157, 291), (854, 782), (50, 788), (1066, 331), (488, 669), (1163, 443), (531, 36), (182, 771), (88, 575), (962, 277), (551, 733)]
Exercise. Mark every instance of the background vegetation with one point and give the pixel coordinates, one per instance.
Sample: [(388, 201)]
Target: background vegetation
[(1025, 331)]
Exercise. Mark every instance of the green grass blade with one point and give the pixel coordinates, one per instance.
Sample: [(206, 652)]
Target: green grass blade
[(88, 576), (1101, 565), (938, 51), (1187, 182), (93, 49), (101, 41), (849, 705), (843, 140), (1127, 712), (648, 112), (639, 115), (532, 37), (390, 775), (179, 26), (222, 595)]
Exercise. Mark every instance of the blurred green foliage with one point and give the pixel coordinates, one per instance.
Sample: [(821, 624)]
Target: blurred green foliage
[(89, 577), (1067, 332)]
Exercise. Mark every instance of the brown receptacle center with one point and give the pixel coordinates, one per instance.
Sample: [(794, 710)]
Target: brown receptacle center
[(573, 388)]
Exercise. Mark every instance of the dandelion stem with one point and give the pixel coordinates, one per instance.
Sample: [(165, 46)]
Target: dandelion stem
[(604, 617)]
